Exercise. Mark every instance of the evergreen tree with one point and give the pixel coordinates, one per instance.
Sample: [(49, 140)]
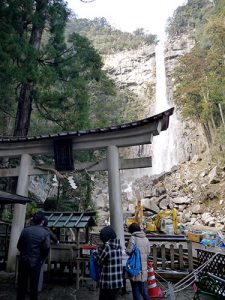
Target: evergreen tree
[(39, 67), (200, 74)]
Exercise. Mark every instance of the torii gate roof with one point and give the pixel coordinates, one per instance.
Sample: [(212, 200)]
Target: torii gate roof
[(128, 134)]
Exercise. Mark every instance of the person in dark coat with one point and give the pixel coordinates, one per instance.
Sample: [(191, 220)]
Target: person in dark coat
[(53, 238), (34, 245), (110, 259)]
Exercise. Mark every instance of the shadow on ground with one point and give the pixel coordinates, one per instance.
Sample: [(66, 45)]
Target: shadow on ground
[(60, 289)]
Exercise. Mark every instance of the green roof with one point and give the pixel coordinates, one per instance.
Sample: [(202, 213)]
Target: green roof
[(70, 219)]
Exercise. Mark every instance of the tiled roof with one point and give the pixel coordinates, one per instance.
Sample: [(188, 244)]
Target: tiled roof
[(70, 219), (161, 116)]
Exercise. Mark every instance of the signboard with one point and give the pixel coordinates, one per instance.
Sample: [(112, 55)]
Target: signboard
[(63, 155)]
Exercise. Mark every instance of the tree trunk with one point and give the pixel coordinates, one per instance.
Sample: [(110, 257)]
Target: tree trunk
[(207, 133), (24, 110), (24, 107)]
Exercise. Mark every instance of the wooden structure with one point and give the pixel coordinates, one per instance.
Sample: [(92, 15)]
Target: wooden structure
[(4, 242), (5, 226), (68, 253), (171, 256)]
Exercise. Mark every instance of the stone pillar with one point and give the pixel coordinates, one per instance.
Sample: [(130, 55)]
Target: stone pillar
[(19, 211), (115, 203)]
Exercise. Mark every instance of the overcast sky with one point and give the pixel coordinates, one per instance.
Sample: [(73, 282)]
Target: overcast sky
[(128, 15)]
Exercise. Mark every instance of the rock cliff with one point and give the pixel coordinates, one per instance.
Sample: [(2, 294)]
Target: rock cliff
[(135, 70), (187, 186)]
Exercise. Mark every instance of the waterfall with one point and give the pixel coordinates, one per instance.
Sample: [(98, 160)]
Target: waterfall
[(164, 145)]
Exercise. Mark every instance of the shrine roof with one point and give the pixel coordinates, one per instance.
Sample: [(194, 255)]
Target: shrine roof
[(8, 198), (70, 219)]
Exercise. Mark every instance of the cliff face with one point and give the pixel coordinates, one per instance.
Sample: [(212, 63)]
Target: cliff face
[(135, 70), (191, 140)]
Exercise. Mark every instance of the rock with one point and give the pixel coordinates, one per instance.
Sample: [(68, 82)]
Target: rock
[(100, 201), (212, 223), (187, 217), (213, 176), (131, 208), (211, 195), (193, 221), (196, 209), (149, 204), (181, 208), (165, 203), (195, 159), (181, 200), (207, 218), (202, 174)]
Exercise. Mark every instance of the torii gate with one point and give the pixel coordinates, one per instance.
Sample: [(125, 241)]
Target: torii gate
[(111, 138)]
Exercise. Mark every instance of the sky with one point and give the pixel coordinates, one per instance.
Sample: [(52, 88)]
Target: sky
[(128, 15)]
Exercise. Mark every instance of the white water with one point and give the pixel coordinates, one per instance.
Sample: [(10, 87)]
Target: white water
[(164, 145)]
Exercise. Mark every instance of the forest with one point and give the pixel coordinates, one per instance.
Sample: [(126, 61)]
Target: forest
[(51, 73), (199, 90)]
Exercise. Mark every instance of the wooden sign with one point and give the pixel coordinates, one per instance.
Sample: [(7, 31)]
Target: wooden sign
[(63, 155)]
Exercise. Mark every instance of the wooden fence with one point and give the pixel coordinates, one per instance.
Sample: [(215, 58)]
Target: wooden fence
[(172, 259)]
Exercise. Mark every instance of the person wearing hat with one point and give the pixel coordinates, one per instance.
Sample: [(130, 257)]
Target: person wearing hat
[(34, 245), (110, 260)]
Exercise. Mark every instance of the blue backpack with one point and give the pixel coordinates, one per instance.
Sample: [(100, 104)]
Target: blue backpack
[(133, 265), (95, 269)]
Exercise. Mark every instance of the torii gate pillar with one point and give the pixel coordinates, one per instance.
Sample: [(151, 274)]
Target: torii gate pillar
[(19, 211), (115, 203)]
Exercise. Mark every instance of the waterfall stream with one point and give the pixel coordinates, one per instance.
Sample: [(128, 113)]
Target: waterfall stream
[(164, 145)]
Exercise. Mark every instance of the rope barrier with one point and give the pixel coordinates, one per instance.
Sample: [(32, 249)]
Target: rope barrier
[(198, 270), (184, 283)]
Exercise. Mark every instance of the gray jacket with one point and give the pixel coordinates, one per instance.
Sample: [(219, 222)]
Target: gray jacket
[(143, 244)]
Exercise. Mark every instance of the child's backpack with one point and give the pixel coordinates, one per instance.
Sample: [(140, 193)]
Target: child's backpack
[(95, 270), (133, 265)]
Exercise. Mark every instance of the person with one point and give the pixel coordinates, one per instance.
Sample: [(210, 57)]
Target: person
[(109, 258), (34, 245), (124, 261), (138, 283), (53, 238)]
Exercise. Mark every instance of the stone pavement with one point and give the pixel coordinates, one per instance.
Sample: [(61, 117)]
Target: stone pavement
[(60, 289)]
